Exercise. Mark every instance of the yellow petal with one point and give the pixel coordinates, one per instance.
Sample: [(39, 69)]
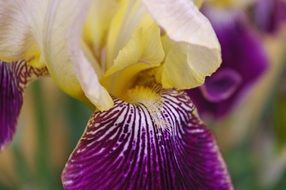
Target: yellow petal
[(143, 51), (21, 24), (25, 30), (97, 23), (69, 64), (48, 33), (199, 3), (127, 18), (239, 4), (186, 65), (193, 51)]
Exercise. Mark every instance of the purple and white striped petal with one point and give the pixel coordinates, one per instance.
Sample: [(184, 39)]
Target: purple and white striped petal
[(13, 79), (159, 145)]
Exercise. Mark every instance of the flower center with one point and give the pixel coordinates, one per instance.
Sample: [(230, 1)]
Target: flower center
[(150, 99), (141, 94)]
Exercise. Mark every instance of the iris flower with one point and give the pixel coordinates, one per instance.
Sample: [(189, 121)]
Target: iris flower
[(270, 15), (244, 61), (131, 61)]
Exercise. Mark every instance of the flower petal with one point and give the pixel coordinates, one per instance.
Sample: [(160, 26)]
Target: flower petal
[(44, 38), (143, 51), (196, 46), (128, 17), (21, 24), (13, 79), (221, 85), (183, 22), (242, 51), (231, 4), (98, 22), (270, 15), (68, 63), (185, 65), (152, 144)]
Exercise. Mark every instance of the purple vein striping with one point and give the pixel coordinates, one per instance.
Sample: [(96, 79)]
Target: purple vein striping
[(127, 148), (13, 79)]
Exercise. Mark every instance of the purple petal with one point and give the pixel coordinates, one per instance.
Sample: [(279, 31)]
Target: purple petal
[(242, 52), (13, 78), (269, 15), (221, 85), (161, 145)]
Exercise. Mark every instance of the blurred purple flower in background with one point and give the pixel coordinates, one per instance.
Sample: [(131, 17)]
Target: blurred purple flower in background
[(244, 61), (269, 15)]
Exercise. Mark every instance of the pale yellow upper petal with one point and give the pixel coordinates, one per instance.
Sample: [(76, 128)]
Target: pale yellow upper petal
[(199, 3), (143, 51), (193, 51), (236, 4), (69, 64), (185, 65), (97, 24), (183, 22), (125, 21), (30, 30), (21, 26)]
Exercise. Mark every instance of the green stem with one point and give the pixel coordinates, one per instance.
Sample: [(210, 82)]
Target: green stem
[(42, 154)]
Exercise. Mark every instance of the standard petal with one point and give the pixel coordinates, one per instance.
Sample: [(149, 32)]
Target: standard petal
[(40, 32), (129, 15), (195, 51), (21, 26), (186, 65), (157, 143), (98, 22), (143, 51), (183, 22), (231, 4), (13, 79), (68, 63)]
